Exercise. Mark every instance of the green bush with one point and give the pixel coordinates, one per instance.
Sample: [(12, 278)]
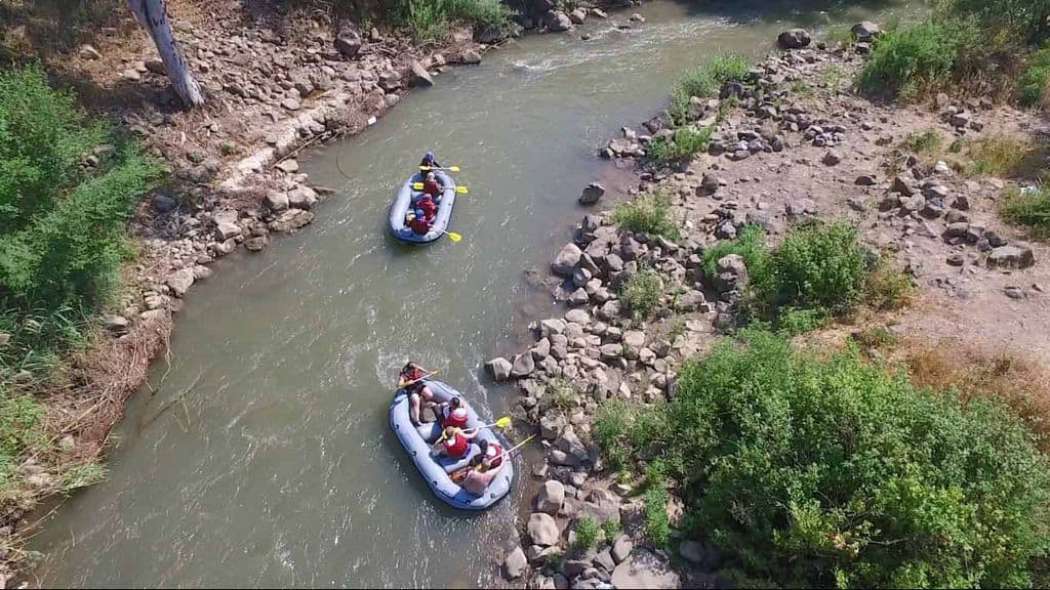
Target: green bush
[(685, 143), (587, 533), (1034, 80), (20, 429), (1015, 20), (431, 19), (657, 524), (750, 244), (706, 81), (818, 471), (817, 267), (641, 293), (910, 62), (650, 214), (61, 222), (1030, 209)]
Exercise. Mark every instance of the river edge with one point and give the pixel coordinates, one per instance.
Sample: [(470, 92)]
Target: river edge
[(233, 181), (800, 145)]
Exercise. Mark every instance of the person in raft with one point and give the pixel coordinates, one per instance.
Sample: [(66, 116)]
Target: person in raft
[(454, 413), (429, 161), (418, 222), (419, 393), (428, 206), (454, 442), (478, 476), (492, 453), (432, 187)]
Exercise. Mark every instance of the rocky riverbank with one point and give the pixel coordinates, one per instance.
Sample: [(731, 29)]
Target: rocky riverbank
[(791, 143)]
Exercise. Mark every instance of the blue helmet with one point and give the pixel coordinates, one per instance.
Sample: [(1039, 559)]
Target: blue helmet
[(419, 213), (429, 157)]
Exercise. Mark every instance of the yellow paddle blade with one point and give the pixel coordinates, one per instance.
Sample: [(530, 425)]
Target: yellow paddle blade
[(503, 422), (453, 168), (449, 168), (462, 190), (417, 185), (454, 236)]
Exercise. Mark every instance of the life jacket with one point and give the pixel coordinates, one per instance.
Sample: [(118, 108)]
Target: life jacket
[(494, 455), (457, 446), (431, 187), (419, 226), (457, 417), (428, 207)]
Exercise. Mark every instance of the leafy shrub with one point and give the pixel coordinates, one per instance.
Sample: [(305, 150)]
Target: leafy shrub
[(887, 288), (912, 61), (685, 143), (431, 19), (1033, 82), (817, 267), (650, 214), (706, 81), (657, 524), (1004, 155), (587, 533), (20, 429), (1006, 19), (793, 321), (612, 426), (561, 394), (641, 293), (830, 471), (610, 529), (61, 223), (1029, 208), (749, 244), (927, 142)]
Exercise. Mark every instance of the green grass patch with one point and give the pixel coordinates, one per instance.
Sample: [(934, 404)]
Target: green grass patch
[(705, 82), (912, 62), (825, 470), (685, 143), (1030, 209), (588, 533), (1034, 81), (887, 288), (21, 429), (928, 142), (641, 293), (750, 244), (432, 19), (650, 214), (1007, 156)]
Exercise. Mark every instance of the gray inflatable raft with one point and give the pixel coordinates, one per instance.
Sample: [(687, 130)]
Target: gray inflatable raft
[(404, 200), (436, 471)]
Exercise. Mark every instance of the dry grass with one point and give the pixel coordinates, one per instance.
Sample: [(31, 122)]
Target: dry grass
[(1007, 156), (1021, 383)]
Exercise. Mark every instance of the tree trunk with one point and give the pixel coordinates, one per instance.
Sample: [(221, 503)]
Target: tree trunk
[(153, 15)]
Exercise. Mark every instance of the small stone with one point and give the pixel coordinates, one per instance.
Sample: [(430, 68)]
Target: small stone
[(89, 52), (794, 39), (832, 158), (276, 201), (289, 166), (181, 281), (523, 366), (592, 194), (956, 260), (420, 75), (866, 180), (256, 243), (1014, 292)]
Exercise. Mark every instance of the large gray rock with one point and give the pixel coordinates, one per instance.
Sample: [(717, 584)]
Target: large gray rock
[(644, 570), (348, 43), (551, 426), (515, 563), (566, 260), (551, 497), (291, 220), (1011, 257), (543, 530), (499, 368), (794, 39), (592, 193), (558, 22), (571, 444), (523, 366), (302, 197), (578, 316), (276, 201), (866, 31), (181, 281), (420, 75), (621, 548)]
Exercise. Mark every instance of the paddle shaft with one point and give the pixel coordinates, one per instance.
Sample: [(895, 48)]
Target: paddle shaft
[(427, 375)]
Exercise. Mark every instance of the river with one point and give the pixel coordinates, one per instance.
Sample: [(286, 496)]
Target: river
[(275, 466)]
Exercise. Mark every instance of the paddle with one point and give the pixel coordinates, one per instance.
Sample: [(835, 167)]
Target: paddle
[(402, 385), (519, 445), (501, 423), (461, 473), (459, 189), (448, 168), (453, 236)]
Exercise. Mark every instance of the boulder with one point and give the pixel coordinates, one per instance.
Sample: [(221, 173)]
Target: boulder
[(1011, 257), (643, 569), (578, 316), (550, 497), (592, 194), (578, 16), (621, 548), (571, 444), (866, 31), (558, 22), (551, 426), (499, 368), (348, 42), (515, 563), (157, 67), (566, 260), (732, 273), (543, 530), (291, 165), (276, 201), (523, 366), (302, 197), (181, 281), (470, 57), (794, 39), (420, 75), (291, 220), (256, 244)]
